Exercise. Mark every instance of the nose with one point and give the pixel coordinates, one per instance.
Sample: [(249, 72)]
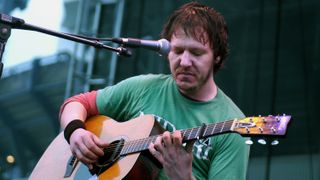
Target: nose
[(185, 59)]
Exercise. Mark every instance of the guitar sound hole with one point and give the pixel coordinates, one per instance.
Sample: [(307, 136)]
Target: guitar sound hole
[(104, 160), (111, 154)]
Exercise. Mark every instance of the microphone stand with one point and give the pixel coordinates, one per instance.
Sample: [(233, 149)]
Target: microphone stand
[(5, 32), (8, 22)]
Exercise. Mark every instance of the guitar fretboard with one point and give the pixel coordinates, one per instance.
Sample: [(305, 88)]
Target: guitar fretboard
[(203, 131)]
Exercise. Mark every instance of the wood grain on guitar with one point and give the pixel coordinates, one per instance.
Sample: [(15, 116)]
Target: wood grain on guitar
[(129, 141)]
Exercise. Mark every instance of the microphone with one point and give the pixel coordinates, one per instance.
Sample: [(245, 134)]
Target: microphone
[(161, 46)]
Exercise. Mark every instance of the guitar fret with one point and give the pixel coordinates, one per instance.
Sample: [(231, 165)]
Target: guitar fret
[(127, 146), (228, 125), (205, 131), (124, 148), (146, 143), (213, 129), (194, 133), (142, 143), (183, 134), (149, 141), (137, 145), (130, 147), (189, 133), (197, 134), (222, 126), (133, 146)]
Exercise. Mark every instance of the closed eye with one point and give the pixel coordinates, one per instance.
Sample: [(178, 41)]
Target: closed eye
[(177, 50), (193, 51), (197, 52)]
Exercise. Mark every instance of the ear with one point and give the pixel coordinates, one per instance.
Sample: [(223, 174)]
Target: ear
[(218, 59)]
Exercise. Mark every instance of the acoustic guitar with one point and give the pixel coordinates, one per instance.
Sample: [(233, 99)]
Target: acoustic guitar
[(127, 154)]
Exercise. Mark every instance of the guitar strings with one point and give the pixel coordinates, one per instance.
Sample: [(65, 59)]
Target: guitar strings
[(188, 131), (210, 129), (142, 144), (188, 134)]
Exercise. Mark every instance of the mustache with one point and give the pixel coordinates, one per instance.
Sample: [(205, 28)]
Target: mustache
[(185, 71)]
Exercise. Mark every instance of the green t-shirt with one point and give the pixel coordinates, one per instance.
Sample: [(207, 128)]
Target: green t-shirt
[(219, 157)]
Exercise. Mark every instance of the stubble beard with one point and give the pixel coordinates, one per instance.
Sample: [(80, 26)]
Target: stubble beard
[(188, 89)]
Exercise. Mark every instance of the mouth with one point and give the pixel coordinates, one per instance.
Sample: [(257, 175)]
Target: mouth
[(185, 75)]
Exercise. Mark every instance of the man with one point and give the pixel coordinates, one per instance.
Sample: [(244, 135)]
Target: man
[(187, 98)]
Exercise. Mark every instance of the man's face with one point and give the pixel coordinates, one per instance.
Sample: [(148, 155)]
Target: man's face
[(191, 62)]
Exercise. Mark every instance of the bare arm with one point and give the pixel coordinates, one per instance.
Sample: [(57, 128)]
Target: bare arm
[(71, 111), (86, 146)]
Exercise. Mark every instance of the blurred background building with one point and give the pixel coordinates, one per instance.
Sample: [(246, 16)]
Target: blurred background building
[(273, 68)]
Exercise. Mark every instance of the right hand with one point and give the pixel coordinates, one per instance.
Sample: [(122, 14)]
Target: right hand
[(86, 146)]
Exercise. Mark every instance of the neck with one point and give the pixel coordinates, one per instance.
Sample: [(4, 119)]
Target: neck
[(205, 93)]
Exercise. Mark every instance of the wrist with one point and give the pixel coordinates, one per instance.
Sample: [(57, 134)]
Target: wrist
[(71, 127)]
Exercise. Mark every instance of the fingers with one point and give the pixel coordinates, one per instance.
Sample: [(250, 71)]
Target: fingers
[(168, 140), (165, 139), (86, 146), (98, 142), (172, 139), (79, 154), (177, 141), (165, 144), (176, 138), (155, 153), (90, 149)]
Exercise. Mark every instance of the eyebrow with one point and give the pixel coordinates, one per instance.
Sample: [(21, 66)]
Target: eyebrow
[(192, 48)]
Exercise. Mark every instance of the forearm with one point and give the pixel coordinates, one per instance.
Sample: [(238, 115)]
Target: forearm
[(78, 107), (71, 111)]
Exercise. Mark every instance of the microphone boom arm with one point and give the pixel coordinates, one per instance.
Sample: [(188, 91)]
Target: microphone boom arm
[(8, 22), (94, 43)]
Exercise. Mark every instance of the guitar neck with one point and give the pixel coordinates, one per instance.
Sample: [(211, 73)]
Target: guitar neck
[(249, 126), (203, 131)]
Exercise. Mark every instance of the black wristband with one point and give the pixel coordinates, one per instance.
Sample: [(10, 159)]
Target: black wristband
[(71, 127)]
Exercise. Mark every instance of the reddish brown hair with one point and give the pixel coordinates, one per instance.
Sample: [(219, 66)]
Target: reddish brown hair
[(192, 16)]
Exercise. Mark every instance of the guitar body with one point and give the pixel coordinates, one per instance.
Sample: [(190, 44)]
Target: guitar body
[(52, 165)]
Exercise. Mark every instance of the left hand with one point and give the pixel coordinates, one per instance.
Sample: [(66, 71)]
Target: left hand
[(176, 160)]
